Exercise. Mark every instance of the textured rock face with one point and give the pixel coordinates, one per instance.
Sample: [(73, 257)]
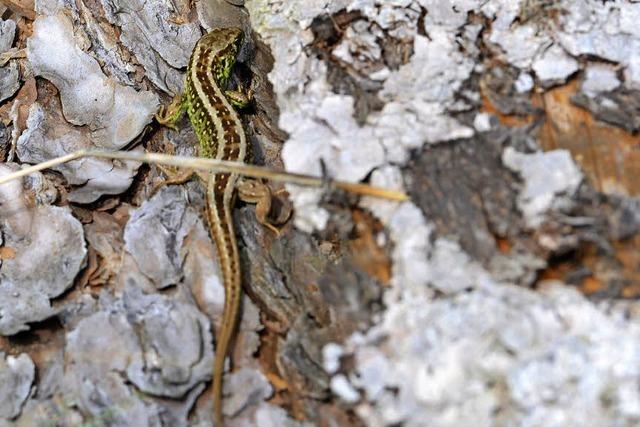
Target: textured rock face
[(502, 293)]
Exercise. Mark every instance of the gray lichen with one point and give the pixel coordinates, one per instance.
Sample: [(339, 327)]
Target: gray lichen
[(110, 114), (9, 74), (155, 234), (48, 135), (7, 34), (9, 80), (159, 345), (16, 378), (48, 252), (248, 388), (150, 30)]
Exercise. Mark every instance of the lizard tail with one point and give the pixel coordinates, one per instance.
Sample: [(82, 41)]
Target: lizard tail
[(222, 230)]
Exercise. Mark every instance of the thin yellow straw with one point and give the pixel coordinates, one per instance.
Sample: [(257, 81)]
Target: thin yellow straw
[(206, 164)]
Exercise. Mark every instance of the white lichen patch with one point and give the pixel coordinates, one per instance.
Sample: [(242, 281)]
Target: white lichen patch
[(411, 235), (418, 96), (331, 354), (348, 151), (520, 44), (451, 14), (482, 122), (599, 78), (608, 31), (47, 250), (546, 176), (111, 115), (493, 353), (554, 66), (549, 37), (385, 177), (524, 83), (342, 388)]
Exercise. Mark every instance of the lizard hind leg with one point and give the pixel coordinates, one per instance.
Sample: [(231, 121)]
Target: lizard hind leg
[(241, 97), (169, 116), (258, 193)]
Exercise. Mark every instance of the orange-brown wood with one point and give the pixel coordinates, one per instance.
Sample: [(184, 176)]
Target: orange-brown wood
[(610, 159), (608, 155)]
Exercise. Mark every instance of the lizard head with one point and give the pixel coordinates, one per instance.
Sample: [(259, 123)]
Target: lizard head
[(221, 46)]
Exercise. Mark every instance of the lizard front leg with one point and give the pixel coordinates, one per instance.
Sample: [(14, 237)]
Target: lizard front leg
[(168, 116)]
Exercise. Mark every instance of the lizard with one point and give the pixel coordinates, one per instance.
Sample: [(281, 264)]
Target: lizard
[(220, 135)]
